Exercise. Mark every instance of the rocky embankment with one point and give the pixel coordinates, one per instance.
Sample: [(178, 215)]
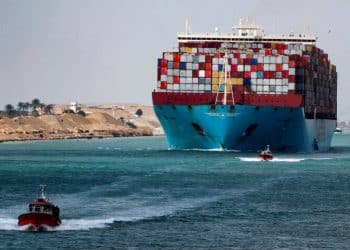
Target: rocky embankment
[(99, 122)]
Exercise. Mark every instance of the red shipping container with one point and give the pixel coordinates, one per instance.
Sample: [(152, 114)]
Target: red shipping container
[(253, 68), (208, 73), (217, 55), (268, 52), (291, 64), (164, 63), (279, 67), (208, 58), (163, 71), (291, 78), (176, 65), (280, 51), (247, 74), (236, 55), (285, 74), (176, 57), (163, 85), (272, 74), (234, 68), (266, 74), (201, 66), (208, 66), (240, 61), (195, 73), (249, 56), (246, 61), (260, 67), (176, 79)]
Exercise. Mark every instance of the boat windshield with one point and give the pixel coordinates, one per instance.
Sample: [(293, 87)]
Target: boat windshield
[(40, 208)]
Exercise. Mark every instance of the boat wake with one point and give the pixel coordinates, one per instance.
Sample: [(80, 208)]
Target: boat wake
[(256, 159)]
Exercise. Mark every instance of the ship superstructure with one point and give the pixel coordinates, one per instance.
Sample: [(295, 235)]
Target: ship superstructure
[(246, 89)]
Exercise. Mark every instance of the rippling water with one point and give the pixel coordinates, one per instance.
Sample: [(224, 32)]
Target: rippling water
[(133, 192)]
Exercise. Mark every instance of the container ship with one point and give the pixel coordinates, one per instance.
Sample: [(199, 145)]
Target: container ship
[(244, 90)]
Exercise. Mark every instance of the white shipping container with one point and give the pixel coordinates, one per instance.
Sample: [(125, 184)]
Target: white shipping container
[(285, 66), (170, 72), (176, 72), (201, 87), (279, 59), (195, 80), (266, 88), (207, 87), (176, 87), (291, 86), (285, 59), (253, 87), (260, 59), (272, 88), (170, 79), (266, 59), (285, 81), (200, 50), (188, 65), (240, 68), (246, 67), (201, 73), (253, 75), (188, 73), (194, 50), (182, 87), (266, 67), (188, 79), (228, 68), (259, 88), (189, 58), (169, 86), (221, 61), (189, 87), (182, 80), (168, 56), (253, 81), (182, 72), (278, 81), (259, 81), (272, 59), (234, 61), (195, 66), (243, 55), (278, 74), (284, 89), (278, 88), (163, 78), (292, 71), (266, 81), (183, 58), (195, 87), (272, 81), (215, 60), (215, 67), (272, 67), (201, 59)]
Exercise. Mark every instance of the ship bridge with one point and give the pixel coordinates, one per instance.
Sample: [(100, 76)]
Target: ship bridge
[(245, 32)]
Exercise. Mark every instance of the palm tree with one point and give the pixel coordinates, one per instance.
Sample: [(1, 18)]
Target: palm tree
[(26, 106), (48, 109), (20, 108), (10, 110), (35, 103)]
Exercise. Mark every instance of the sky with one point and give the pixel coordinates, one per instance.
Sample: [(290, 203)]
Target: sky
[(105, 51)]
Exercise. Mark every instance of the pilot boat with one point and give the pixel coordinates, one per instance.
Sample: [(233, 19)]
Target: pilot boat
[(266, 154), (41, 214)]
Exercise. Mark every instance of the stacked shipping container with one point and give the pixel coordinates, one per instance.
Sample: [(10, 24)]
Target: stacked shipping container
[(261, 68)]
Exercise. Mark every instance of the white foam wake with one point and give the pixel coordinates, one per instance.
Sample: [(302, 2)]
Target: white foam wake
[(256, 159)]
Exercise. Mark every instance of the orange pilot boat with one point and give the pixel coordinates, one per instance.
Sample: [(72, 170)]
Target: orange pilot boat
[(266, 154), (41, 214)]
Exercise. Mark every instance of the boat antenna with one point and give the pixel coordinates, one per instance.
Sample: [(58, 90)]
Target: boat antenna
[(42, 191)]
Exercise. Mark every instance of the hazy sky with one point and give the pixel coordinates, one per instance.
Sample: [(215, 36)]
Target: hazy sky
[(105, 51)]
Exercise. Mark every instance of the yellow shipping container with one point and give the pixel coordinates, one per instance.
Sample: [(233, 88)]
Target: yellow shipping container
[(273, 46), (215, 80), (309, 48), (237, 81), (215, 74), (214, 88), (222, 74), (188, 50)]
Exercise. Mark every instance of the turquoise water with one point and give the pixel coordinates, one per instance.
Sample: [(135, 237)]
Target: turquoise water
[(133, 192)]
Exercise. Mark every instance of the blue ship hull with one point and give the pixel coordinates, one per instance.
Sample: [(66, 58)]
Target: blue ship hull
[(243, 127)]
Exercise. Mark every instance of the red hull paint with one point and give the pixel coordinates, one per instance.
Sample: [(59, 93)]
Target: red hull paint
[(265, 157), (38, 220), (291, 99)]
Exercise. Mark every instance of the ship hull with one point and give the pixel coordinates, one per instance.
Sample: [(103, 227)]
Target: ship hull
[(38, 221), (243, 127)]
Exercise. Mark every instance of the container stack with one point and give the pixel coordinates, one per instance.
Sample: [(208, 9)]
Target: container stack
[(262, 68)]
